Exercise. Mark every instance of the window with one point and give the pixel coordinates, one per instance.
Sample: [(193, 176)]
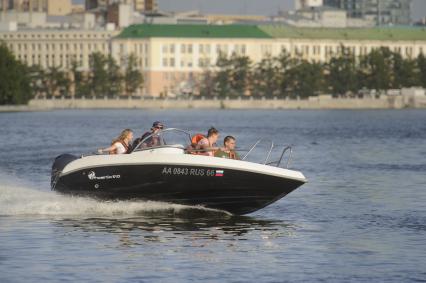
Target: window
[(172, 62), (189, 48), (172, 48), (165, 62), (165, 48)]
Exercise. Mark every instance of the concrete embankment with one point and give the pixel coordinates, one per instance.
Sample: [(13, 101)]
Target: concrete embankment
[(321, 102), (22, 108)]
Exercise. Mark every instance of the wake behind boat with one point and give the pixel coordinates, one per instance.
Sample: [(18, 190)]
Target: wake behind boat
[(168, 173)]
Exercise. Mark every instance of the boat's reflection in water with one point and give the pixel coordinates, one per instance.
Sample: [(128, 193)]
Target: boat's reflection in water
[(188, 224)]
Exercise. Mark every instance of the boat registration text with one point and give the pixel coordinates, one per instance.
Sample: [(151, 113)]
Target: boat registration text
[(183, 171)]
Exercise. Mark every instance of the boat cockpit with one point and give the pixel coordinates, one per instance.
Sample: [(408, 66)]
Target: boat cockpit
[(178, 141)]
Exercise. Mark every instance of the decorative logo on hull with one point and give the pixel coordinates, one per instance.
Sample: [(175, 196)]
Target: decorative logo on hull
[(92, 176)]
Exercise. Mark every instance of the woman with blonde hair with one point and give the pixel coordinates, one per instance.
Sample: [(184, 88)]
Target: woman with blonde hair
[(121, 144)]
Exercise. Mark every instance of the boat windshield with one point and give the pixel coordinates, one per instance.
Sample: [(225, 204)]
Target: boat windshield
[(170, 137)]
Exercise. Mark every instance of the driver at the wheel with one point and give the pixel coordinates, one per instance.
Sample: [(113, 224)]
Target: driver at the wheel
[(152, 141)]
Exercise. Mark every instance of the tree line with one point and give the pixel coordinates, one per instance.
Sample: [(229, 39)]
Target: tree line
[(20, 83), (274, 76), (283, 76)]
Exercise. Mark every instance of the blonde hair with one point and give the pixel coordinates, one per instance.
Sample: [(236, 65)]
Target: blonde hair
[(124, 134)]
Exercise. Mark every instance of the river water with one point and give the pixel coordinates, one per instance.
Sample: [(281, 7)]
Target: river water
[(361, 217)]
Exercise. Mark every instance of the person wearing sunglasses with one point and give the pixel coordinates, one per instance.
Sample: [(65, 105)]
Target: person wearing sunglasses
[(153, 140)]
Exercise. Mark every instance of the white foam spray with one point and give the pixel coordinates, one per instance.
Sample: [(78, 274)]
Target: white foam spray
[(20, 199)]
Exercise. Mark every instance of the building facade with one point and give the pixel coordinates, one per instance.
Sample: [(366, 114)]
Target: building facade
[(383, 12), (57, 48), (59, 7), (172, 57), (138, 5), (303, 4)]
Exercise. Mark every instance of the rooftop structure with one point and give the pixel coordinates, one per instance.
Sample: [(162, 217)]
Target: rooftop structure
[(383, 12)]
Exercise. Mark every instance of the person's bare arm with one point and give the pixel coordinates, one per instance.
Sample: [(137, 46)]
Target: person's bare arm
[(108, 149)]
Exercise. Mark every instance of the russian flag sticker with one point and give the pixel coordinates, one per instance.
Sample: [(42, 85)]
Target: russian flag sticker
[(219, 173)]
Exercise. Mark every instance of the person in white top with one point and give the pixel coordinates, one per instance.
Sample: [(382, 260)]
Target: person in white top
[(121, 144)]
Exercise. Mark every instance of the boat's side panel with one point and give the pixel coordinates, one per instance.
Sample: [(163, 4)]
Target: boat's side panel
[(153, 157), (232, 190)]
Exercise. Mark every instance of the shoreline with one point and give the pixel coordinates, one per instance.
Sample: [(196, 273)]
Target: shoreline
[(324, 102)]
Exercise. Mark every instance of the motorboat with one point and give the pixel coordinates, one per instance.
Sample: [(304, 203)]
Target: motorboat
[(171, 172)]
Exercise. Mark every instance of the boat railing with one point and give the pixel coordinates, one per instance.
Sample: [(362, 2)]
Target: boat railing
[(266, 161)]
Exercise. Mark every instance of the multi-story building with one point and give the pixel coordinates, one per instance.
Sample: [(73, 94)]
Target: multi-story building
[(93, 4), (59, 7), (172, 57), (57, 48), (303, 4), (52, 7), (383, 12), (138, 5), (24, 5)]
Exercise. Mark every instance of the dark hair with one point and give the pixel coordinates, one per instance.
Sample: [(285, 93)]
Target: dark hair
[(228, 138), (212, 131)]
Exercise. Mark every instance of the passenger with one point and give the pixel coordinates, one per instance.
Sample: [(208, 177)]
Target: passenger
[(208, 144), (229, 149), (153, 140), (121, 144)]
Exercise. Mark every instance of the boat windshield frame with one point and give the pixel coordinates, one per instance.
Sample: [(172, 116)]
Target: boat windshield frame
[(163, 144), (266, 161)]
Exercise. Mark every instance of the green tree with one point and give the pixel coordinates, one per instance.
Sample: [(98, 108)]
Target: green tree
[(284, 64), (306, 79), (98, 80), (342, 73), (266, 79), (114, 77), (133, 78), (57, 82), (376, 69), (80, 80), (421, 65), (404, 71), (206, 83), (38, 80), (15, 83), (240, 74), (222, 79)]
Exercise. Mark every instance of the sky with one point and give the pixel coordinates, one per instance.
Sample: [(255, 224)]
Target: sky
[(258, 7)]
